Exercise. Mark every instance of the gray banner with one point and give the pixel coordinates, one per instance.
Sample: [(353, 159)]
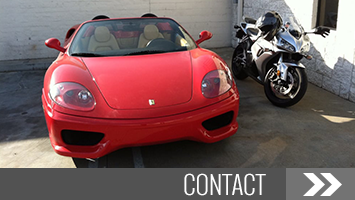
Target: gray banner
[(315, 184), (143, 183)]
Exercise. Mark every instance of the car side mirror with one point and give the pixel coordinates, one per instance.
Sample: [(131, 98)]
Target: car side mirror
[(54, 44), (204, 35)]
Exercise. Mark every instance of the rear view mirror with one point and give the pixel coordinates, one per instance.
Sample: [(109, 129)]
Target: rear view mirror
[(204, 35), (54, 44), (322, 31)]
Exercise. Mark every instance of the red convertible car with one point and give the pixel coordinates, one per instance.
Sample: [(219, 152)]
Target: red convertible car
[(135, 81)]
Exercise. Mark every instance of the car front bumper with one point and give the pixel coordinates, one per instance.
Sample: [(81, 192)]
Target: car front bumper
[(121, 133)]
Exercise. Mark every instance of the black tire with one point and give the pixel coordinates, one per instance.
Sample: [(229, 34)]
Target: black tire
[(237, 66), (298, 90)]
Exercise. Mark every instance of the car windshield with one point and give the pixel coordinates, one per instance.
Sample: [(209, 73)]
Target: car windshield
[(125, 37)]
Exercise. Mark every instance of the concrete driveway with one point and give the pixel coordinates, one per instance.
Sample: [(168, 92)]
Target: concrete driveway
[(317, 132)]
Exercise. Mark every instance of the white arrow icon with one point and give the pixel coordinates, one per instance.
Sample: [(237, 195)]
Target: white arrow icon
[(318, 184), (335, 184)]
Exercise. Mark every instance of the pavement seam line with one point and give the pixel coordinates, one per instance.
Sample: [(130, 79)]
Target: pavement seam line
[(137, 157)]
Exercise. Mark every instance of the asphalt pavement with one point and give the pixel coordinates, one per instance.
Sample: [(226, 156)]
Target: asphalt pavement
[(319, 131)]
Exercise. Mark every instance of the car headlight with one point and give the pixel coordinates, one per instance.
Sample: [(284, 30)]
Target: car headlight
[(73, 96), (216, 83), (285, 45)]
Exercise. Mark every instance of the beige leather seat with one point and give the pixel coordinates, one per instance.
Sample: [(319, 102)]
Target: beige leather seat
[(150, 32), (102, 40)]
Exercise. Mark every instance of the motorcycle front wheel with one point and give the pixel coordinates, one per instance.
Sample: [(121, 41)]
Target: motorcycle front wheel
[(238, 60), (286, 93)]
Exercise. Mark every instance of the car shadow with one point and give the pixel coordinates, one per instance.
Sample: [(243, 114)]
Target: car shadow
[(122, 158)]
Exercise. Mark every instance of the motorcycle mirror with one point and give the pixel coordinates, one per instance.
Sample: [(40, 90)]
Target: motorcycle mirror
[(322, 31)]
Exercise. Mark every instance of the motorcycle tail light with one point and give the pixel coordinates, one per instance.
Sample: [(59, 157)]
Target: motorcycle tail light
[(73, 96), (216, 83)]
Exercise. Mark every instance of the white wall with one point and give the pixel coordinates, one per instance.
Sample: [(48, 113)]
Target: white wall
[(332, 67), (25, 25)]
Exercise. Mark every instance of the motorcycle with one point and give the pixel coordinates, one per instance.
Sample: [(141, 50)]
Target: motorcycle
[(269, 52)]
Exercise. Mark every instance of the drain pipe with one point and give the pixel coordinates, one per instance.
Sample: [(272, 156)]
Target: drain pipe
[(240, 10), (237, 18)]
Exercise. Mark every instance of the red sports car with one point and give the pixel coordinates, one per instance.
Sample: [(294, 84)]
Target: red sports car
[(135, 81)]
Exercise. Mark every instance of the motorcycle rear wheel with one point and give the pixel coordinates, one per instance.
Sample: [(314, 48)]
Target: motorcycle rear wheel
[(291, 92), (237, 66)]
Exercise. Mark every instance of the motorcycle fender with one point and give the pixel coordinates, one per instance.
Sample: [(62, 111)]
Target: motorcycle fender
[(283, 68)]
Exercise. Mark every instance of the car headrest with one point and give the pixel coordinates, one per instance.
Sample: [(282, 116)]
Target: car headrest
[(102, 34), (151, 32)]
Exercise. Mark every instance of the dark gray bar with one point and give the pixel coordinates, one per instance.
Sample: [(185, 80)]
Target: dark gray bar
[(143, 183)]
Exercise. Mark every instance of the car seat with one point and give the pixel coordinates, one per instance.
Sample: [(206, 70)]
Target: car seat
[(150, 33), (102, 40)]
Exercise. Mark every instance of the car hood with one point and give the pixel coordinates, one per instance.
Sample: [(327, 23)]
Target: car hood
[(144, 81)]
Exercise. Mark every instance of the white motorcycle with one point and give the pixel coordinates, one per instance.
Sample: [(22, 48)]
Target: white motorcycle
[(270, 51)]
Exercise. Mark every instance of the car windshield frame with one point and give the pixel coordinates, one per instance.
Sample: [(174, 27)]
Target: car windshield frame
[(130, 36)]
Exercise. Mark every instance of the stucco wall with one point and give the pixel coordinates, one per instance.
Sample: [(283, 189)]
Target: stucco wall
[(332, 67), (25, 25)]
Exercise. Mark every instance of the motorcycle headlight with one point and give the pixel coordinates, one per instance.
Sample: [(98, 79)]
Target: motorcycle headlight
[(216, 83), (73, 96), (285, 45)]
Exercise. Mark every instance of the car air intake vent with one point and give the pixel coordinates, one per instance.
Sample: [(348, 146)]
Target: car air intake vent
[(82, 138), (219, 121)]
